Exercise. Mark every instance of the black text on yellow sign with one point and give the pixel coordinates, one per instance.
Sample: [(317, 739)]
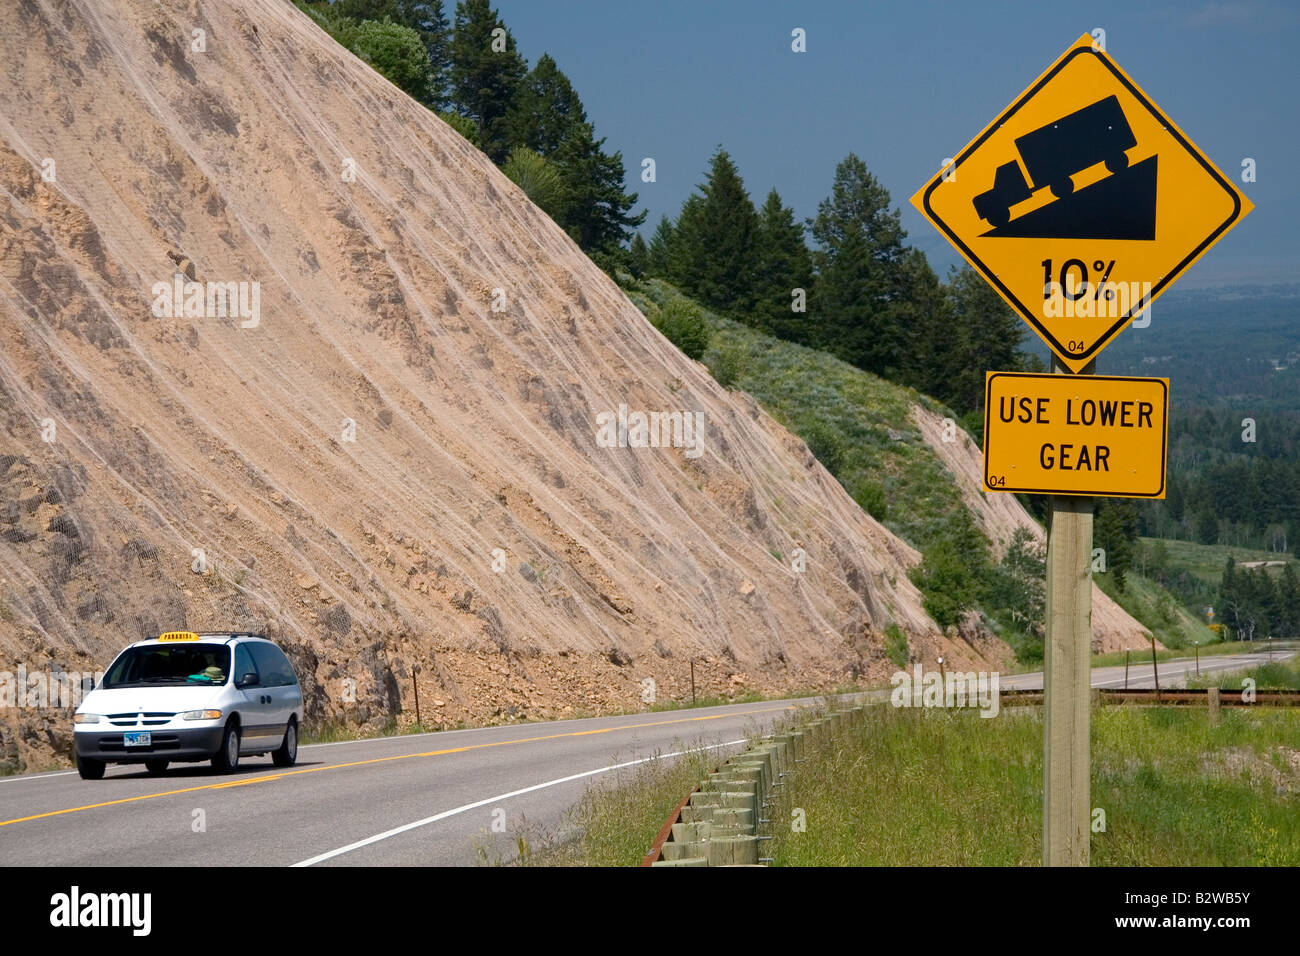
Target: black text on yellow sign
[(1075, 434), (1081, 203)]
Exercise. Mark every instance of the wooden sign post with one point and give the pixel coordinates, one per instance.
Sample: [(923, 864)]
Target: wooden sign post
[(1067, 669)]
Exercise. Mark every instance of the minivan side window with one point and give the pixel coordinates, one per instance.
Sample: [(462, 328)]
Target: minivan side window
[(273, 666), (244, 663)]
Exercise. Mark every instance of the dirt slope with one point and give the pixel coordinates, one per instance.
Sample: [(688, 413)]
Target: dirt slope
[(1113, 628), (473, 429)]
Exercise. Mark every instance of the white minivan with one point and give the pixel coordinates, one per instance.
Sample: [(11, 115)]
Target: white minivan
[(188, 697)]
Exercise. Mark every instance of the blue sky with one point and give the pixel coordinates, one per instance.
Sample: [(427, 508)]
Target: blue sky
[(905, 83)]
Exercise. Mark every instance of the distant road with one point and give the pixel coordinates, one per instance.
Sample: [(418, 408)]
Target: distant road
[(427, 799), (1173, 673)]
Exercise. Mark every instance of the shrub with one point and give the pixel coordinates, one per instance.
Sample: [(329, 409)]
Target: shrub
[(1015, 589), (538, 178), (463, 125), (870, 496), (896, 646), (826, 444), (730, 365), (953, 572), (684, 326), (397, 52)]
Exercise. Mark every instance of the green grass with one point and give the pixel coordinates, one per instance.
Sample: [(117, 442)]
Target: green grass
[(1157, 609), (617, 818), (1275, 675), (1143, 655), (948, 788), (1206, 561), (896, 646)]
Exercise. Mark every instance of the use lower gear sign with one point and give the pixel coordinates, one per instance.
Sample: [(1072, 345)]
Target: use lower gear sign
[(1080, 204)]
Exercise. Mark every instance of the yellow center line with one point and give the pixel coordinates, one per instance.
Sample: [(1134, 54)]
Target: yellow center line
[(361, 763)]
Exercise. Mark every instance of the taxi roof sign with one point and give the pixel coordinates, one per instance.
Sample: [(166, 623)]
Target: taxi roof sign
[(178, 636), (1081, 203)]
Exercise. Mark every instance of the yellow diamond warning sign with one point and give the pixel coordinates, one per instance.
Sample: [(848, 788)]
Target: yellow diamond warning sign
[(1081, 203), (1075, 434)]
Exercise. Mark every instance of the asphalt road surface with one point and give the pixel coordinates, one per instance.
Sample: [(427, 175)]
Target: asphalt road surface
[(428, 799)]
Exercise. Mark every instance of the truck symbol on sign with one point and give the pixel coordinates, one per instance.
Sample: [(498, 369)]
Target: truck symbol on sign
[(1098, 133)]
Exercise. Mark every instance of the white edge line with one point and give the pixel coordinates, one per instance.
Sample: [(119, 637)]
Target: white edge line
[(503, 796), (17, 778)]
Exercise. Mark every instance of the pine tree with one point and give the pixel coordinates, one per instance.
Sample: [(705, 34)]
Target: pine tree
[(596, 211), (782, 264), (1230, 597), (638, 256), (1288, 600), (847, 307), (486, 70), (1176, 497), (657, 263), (720, 233), (427, 19), (930, 357), (684, 246), (546, 109), (1265, 602), (984, 335), (1115, 531), (859, 247)]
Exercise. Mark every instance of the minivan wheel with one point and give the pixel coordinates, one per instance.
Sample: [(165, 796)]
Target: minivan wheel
[(89, 768), (287, 753), (227, 758), (156, 766)]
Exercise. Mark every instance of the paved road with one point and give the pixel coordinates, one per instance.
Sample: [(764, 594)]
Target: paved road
[(423, 799), (428, 799), (1173, 673)]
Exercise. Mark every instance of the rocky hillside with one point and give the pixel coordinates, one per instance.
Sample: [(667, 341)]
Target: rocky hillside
[(366, 418)]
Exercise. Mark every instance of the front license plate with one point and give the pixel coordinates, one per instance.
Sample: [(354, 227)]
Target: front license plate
[(137, 739)]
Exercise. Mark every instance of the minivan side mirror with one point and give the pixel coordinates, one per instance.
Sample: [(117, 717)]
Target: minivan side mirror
[(248, 680)]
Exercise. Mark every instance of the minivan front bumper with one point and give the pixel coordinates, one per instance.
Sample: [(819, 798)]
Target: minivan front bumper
[(167, 743)]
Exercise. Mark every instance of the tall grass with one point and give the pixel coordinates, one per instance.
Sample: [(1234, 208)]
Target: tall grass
[(618, 816), (933, 787)]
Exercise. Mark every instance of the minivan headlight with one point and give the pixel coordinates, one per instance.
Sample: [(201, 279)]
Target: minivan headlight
[(200, 715), (85, 718)]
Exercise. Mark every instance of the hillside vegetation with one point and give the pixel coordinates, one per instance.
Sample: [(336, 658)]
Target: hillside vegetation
[(864, 430)]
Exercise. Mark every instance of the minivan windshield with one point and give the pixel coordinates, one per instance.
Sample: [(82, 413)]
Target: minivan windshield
[(159, 664)]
